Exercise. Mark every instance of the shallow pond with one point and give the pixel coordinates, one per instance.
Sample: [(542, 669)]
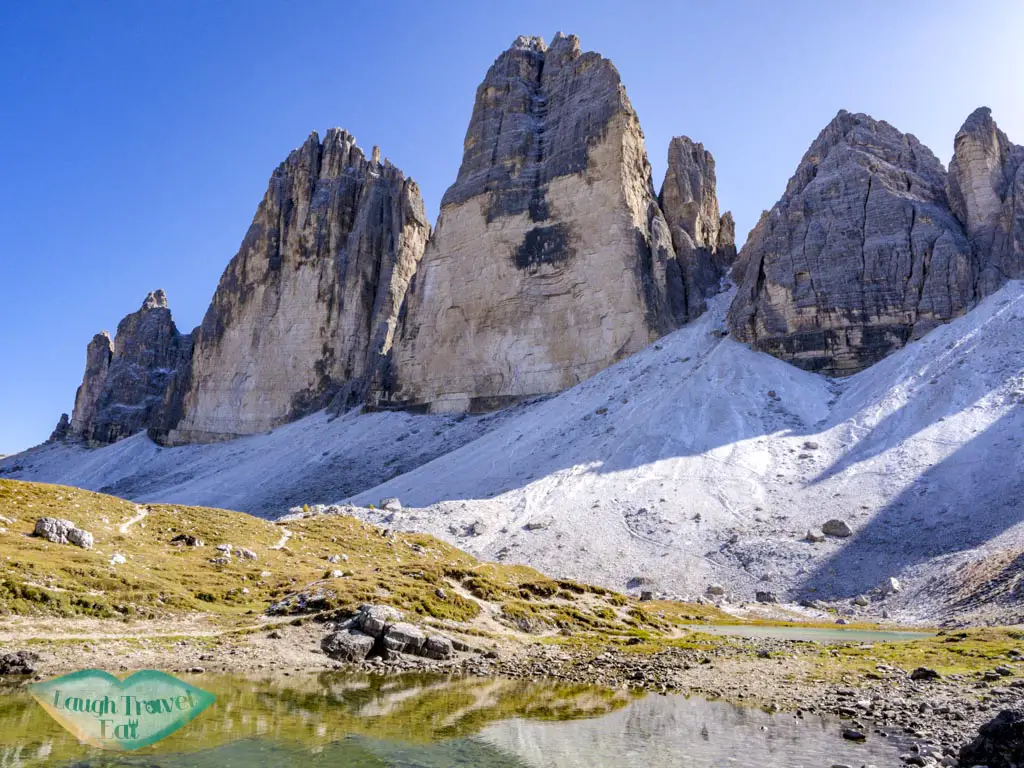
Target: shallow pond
[(420, 722), (823, 635)]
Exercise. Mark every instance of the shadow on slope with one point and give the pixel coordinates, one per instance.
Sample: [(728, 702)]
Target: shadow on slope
[(950, 508)]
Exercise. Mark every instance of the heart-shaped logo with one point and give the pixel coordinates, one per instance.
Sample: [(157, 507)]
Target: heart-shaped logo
[(120, 714)]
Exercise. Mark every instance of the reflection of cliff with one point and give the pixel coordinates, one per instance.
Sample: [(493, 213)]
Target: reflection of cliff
[(352, 720), (664, 731)]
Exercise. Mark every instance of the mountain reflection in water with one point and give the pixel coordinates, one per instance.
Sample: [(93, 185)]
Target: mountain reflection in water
[(412, 721)]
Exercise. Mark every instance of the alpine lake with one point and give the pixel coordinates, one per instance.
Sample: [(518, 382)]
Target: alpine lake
[(417, 721)]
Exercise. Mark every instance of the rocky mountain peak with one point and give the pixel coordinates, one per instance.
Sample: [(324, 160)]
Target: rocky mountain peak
[(155, 300), (551, 257), (306, 310), (986, 192), (127, 380), (704, 240), (860, 255)]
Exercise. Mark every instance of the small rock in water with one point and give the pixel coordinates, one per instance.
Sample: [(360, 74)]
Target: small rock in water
[(852, 734)]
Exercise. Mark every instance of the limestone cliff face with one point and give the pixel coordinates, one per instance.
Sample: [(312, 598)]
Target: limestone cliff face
[(860, 255), (986, 192), (704, 241), (126, 381), (551, 256), (306, 310)]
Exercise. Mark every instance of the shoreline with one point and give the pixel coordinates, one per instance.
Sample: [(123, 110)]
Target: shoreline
[(778, 676)]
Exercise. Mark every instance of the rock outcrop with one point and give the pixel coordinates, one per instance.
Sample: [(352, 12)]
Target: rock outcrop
[(986, 192), (305, 312), (704, 241), (550, 259), (126, 383), (860, 255)]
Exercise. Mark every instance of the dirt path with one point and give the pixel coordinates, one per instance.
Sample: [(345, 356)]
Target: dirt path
[(285, 535), (141, 513)]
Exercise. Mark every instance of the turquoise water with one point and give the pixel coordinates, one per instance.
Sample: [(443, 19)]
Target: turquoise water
[(362, 721)]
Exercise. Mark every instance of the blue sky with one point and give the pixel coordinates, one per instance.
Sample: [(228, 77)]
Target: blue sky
[(137, 138)]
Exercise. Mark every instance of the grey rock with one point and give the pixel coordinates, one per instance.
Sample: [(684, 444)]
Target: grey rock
[(402, 637), (862, 600), (438, 647), (375, 619), (986, 192), (646, 595), (187, 540), (62, 532), (347, 645), (999, 744), (18, 663), (245, 554), (815, 536), (391, 504), (305, 313), (924, 673), (838, 528), (704, 241), (716, 590), (861, 254), (766, 597), (127, 383)]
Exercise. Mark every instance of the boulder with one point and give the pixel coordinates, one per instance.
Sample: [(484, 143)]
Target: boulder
[(860, 255), (837, 528), (550, 245), (245, 554), (305, 313), (765, 597), (347, 645), (404, 638), (62, 532), (438, 647), (391, 504), (716, 590), (187, 540), (815, 536), (18, 663), (999, 743), (891, 586), (375, 619), (924, 673)]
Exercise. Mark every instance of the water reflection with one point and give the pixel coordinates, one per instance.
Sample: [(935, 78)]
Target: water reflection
[(429, 722)]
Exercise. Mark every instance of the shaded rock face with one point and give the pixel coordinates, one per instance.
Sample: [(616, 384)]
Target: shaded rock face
[(551, 255), (305, 312), (127, 381), (860, 255), (704, 241), (986, 192)]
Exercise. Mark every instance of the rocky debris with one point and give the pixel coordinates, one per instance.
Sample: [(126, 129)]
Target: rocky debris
[(550, 246), (390, 636), (61, 431), (187, 540), (704, 241), (129, 382), (62, 532), (18, 663), (347, 645), (837, 528), (999, 744), (986, 192), (304, 314), (391, 504), (861, 254), (306, 601)]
